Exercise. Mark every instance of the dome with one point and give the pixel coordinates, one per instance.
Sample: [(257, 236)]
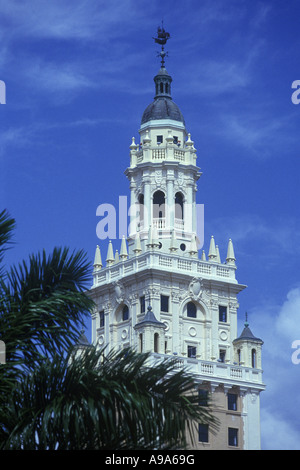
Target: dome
[(162, 108)]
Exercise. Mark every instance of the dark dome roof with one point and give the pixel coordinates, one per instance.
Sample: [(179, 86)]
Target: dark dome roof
[(150, 318), (247, 334), (162, 108)]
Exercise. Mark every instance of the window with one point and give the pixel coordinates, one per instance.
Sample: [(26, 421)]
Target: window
[(222, 355), (158, 205), (192, 350), (156, 342), (222, 313), (159, 139), (203, 397), (141, 342), (142, 304), (164, 303), (232, 401), (253, 358), (175, 139), (141, 208), (203, 433), (101, 315), (233, 437), (125, 313), (191, 310), (179, 206)]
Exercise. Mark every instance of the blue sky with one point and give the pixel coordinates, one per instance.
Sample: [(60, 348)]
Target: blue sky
[(78, 77)]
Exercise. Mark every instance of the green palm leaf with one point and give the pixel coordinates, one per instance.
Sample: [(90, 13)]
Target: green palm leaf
[(96, 402)]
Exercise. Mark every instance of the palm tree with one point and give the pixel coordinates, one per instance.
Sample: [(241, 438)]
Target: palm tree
[(53, 399), (96, 402), (42, 305)]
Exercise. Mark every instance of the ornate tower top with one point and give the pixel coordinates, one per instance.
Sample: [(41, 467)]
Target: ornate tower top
[(163, 107)]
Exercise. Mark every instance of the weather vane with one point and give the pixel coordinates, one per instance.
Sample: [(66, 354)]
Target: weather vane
[(161, 38)]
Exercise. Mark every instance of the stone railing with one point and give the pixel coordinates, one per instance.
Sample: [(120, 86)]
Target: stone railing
[(214, 371), (169, 153), (164, 261)]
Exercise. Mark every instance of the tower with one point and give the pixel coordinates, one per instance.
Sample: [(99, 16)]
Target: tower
[(158, 295)]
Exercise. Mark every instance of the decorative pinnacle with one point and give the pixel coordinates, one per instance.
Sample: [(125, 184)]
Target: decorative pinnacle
[(161, 38), (246, 322)]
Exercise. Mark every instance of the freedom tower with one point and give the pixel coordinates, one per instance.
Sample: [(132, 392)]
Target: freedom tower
[(160, 292)]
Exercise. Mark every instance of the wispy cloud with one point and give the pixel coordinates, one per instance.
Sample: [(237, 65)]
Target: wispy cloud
[(254, 132), (279, 325), (65, 19), (275, 239), (35, 133), (56, 77)]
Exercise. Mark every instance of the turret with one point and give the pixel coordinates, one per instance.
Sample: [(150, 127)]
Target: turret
[(151, 333), (247, 348)]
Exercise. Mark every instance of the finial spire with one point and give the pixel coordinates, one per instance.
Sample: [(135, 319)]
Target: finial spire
[(161, 38), (110, 255), (123, 252), (212, 255), (98, 260), (230, 254)]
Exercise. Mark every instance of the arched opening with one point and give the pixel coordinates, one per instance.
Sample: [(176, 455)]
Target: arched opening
[(141, 210), (141, 342), (179, 206), (239, 356), (191, 310), (161, 87), (159, 209), (179, 214), (125, 313), (156, 342), (253, 358)]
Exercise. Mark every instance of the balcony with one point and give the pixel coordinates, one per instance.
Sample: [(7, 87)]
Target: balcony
[(147, 153), (159, 223), (168, 262), (216, 372)]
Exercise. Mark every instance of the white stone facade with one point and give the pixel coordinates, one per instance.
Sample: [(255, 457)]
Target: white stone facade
[(193, 300)]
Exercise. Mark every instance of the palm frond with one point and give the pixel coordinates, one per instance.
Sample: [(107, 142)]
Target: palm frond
[(43, 306), (7, 225), (96, 402)]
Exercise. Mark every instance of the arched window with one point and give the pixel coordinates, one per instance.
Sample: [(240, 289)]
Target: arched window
[(159, 209), (179, 206), (125, 313), (141, 342), (253, 358), (161, 87), (239, 356), (191, 310), (156, 342), (141, 209)]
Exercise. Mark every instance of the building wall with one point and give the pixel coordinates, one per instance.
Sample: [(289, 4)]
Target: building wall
[(205, 332), (227, 419)]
